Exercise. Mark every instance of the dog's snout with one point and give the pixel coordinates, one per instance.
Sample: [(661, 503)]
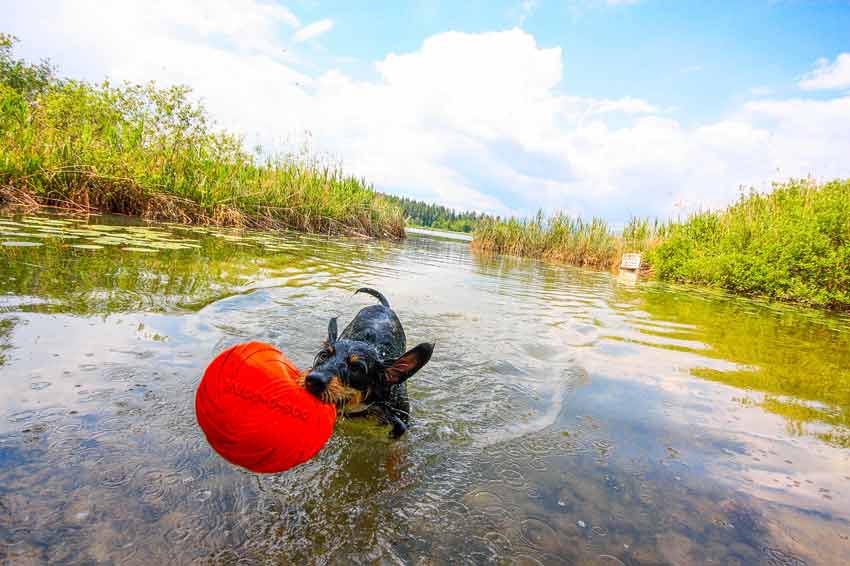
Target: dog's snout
[(316, 383)]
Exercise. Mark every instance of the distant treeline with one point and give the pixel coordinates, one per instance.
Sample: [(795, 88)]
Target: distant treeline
[(431, 215)]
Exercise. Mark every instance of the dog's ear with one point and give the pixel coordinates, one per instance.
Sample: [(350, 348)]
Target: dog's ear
[(332, 333), (409, 363)]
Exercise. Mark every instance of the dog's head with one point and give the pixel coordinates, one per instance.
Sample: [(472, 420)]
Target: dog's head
[(348, 372)]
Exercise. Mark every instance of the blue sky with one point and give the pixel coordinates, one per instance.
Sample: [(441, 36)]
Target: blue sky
[(596, 107), (699, 57)]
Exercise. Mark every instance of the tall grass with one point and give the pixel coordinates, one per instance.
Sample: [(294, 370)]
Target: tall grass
[(559, 238), (789, 244), (153, 152)]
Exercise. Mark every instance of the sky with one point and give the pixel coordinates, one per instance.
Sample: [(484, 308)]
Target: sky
[(610, 108)]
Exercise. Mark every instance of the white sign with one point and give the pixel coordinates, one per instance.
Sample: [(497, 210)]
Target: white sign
[(630, 261)]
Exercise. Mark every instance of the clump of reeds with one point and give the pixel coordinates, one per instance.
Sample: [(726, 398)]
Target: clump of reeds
[(559, 238), (153, 152)]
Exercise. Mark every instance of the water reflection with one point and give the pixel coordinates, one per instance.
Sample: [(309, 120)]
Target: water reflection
[(85, 269), (566, 417), (796, 362)]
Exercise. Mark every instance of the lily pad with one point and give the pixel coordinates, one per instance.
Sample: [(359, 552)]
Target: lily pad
[(168, 246), (135, 249), (104, 227), (22, 244), (87, 246), (198, 229), (110, 240)]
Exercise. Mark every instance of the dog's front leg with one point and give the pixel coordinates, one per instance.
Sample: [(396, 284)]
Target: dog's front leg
[(399, 428)]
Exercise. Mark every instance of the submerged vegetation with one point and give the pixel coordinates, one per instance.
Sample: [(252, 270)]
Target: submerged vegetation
[(791, 244), (153, 152), (109, 264)]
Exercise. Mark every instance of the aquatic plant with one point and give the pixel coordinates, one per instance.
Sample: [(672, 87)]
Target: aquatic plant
[(559, 238), (154, 152)]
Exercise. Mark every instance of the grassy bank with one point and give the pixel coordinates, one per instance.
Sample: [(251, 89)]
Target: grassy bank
[(153, 152), (791, 244)]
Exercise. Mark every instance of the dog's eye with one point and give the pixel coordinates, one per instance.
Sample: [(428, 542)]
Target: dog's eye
[(322, 356), (358, 374)]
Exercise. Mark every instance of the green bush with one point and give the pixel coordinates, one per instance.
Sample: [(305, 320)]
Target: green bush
[(791, 244)]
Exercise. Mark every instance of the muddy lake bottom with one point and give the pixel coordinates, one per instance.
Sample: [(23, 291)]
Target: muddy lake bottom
[(567, 416)]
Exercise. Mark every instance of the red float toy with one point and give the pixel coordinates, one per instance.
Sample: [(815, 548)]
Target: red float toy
[(255, 413)]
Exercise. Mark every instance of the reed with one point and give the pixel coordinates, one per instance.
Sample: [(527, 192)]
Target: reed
[(560, 238), (154, 152)]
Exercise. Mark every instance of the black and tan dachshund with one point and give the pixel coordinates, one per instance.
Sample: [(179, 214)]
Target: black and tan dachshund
[(363, 370)]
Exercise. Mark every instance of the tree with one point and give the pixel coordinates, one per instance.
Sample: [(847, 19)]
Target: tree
[(435, 216), (30, 80)]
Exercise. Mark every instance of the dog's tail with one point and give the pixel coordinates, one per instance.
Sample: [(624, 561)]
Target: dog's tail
[(374, 293)]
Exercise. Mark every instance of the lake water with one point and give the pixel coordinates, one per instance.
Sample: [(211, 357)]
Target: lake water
[(567, 416), (439, 234)]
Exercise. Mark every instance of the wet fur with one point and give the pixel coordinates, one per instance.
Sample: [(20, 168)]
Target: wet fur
[(345, 398), (363, 370)]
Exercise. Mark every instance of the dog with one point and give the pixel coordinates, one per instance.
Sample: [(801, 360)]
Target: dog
[(363, 370)]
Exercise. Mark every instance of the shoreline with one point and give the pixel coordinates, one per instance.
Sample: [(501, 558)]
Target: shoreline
[(167, 208)]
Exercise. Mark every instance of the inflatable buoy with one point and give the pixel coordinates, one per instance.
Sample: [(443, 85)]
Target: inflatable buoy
[(255, 413)]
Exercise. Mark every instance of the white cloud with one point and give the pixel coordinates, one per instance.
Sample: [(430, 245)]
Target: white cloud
[(314, 30), (828, 75), (469, 120)]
